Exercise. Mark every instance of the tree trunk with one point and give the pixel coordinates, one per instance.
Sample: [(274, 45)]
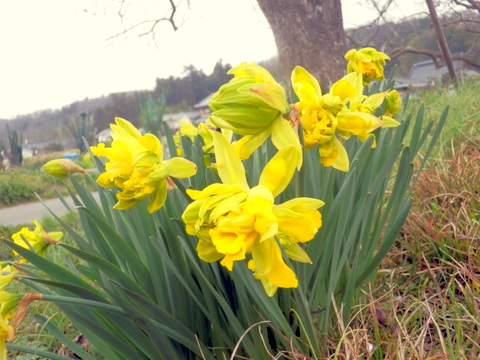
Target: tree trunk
[(308, 33)]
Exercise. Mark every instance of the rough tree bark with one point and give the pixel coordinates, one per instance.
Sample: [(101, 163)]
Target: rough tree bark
[(308, 33)]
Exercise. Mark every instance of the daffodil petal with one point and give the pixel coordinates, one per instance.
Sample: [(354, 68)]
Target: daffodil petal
[(158, 197), (207, 251), (344, 89), (302, 203), (248, 144), (376, 100), (296, 253), (180, 168), (389, 122), (152, 144), (125, 128), (279, 171), (341, 161), (229, 166), (269, 263), (283, 135), (357, 123), (305, 85)]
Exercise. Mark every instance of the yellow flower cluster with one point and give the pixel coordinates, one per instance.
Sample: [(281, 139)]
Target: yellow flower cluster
[(233, 220), (343, 111), (137, 167), (253, 105)]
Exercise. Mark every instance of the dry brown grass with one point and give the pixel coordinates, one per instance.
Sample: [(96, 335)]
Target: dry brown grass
[(425, 302)]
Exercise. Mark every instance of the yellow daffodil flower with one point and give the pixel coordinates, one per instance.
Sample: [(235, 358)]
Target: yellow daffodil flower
[(6, 334), (7, 303), (191, 131), (253, 105), (234, 222), (38, 239), (136, 166), (186, 129), (344, 110), (367, 61)]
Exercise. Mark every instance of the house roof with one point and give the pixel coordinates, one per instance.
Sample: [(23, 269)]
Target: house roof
[(424, 72), (177, 116), (427, 71), (204, 102), (105, 132), (401, 83)]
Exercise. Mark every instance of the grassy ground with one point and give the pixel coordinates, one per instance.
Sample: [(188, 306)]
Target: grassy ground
[(20, 184)]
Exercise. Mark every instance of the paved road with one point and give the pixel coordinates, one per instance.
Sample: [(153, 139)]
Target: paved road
[(25, 213)]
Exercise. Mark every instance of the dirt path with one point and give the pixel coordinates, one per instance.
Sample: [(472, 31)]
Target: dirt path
[(25, 213)]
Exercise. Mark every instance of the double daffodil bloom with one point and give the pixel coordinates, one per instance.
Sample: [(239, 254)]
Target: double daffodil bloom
[(344, 110), (234, 222), (136, 166), (253, 105), (367, 61), (38, 239)]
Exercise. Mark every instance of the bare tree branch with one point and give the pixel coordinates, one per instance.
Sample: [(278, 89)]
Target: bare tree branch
[(436, 56), (470, 4), (154, 22)]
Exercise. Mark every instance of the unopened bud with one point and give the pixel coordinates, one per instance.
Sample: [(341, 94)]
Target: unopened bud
[(62, 167)]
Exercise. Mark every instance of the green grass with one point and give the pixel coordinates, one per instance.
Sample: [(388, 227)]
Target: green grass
[(464, 114), (20, 185)]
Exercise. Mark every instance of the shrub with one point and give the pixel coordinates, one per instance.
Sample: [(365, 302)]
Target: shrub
[(54, 147), (13, 191)]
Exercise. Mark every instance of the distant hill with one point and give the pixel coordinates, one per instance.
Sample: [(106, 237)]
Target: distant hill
[(180, 94), (47, 125)]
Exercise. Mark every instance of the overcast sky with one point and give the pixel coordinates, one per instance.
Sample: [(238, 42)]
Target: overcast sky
[(55, 52)]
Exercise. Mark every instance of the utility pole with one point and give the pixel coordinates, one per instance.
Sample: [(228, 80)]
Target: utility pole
[(442, 41)]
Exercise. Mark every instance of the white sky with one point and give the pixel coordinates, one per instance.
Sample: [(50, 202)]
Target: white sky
[(55, 52)]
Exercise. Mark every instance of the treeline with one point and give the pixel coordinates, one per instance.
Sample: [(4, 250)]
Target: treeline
[(179, 93)]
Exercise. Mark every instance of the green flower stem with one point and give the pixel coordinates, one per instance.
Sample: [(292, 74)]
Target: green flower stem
[(300, 178), (57, 299), (178, 183)]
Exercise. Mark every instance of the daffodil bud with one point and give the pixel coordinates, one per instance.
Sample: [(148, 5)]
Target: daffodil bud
[(367, 61), (250, 102), (393, 103), (62, 167)]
